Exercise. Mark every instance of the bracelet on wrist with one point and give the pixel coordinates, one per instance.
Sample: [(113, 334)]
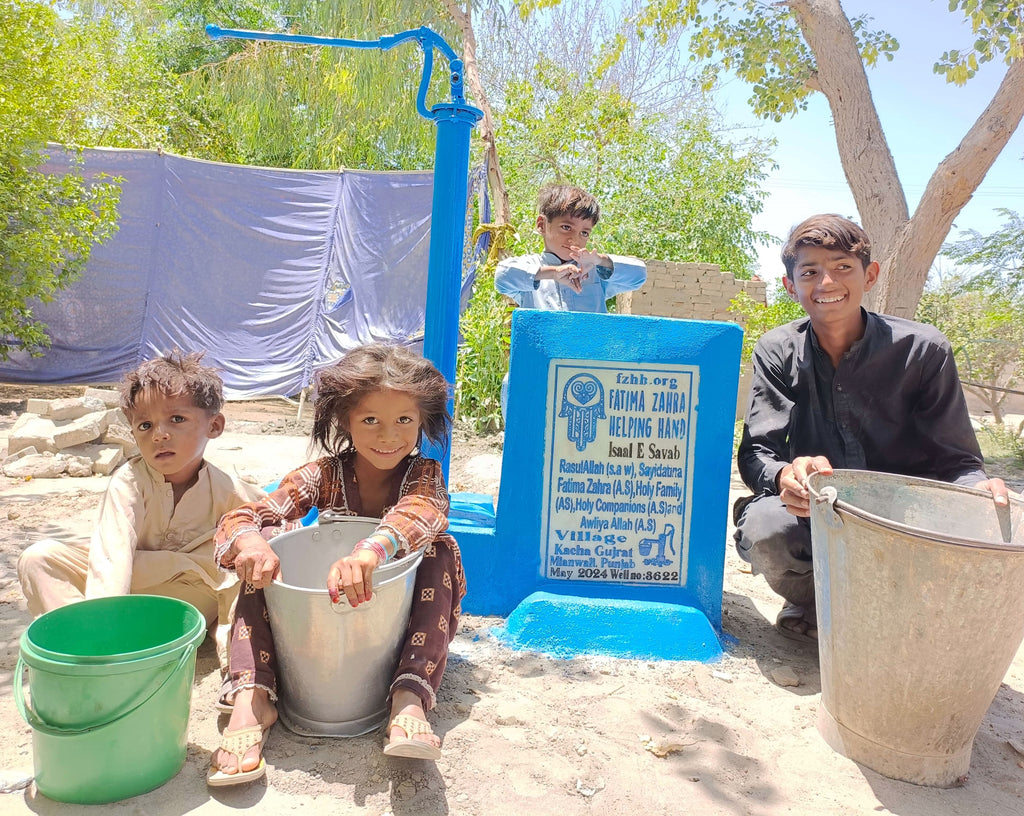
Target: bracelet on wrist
[(373, 546)]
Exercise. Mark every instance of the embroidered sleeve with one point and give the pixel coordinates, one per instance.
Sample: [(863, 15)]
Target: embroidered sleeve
[(297, 492), (421, 513)]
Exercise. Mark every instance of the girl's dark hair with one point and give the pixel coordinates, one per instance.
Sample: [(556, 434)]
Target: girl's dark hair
[(830, 231), (376, 367), (175, 374)]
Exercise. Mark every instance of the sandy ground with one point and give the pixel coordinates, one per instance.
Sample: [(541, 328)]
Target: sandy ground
[(522, 733)]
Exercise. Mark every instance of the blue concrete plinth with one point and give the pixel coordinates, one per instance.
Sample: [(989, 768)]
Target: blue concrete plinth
[(569, 625)]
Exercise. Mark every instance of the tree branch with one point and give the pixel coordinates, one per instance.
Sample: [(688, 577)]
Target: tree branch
[(495, 178)]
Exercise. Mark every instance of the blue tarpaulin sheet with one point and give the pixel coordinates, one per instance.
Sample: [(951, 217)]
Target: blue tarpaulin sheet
[(274, 273)]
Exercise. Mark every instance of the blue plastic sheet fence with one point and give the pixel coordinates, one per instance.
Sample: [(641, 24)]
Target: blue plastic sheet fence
[(273, 273)]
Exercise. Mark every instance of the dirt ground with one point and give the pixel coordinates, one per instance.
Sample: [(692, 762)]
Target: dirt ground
[(522, 733)]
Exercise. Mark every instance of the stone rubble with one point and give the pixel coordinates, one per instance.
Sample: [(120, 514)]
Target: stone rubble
[(75, 436)]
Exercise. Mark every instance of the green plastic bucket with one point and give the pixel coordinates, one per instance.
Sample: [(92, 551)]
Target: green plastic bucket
[(110, 684)]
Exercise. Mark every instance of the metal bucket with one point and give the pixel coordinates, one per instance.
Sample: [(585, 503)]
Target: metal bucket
[(335, 661), (920, 614)]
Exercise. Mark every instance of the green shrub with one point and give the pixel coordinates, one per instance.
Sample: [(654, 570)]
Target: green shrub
[(483, 355), (757, 318), (1002, 439)]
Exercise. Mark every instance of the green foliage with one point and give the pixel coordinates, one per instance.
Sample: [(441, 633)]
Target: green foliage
[(162, 82), (985, 326), (673, 191), (758, 318), (998, 30), (316, 107), (50, 222), (999, 257), (483, 355), (760, 42), (998, 440)]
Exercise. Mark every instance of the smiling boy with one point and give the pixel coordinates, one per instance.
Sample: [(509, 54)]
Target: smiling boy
[(843, 388), (160, 511), (567, 277)]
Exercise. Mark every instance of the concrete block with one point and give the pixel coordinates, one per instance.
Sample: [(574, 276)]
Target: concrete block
[(23, 420), (84, 429), (109, 459), (14, 457), (36, 466), (32, 431), (101, 458), (110, 397), (39, 407), (120, 434), (75, 407), (86, 450), (565, 626)]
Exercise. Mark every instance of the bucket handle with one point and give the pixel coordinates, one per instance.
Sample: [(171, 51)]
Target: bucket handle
[(828, 495), (29, 716)]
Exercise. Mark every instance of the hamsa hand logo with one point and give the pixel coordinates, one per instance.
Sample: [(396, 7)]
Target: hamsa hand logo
[(582, 406)]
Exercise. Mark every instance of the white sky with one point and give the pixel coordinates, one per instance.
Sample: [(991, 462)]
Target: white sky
[(924, 118)]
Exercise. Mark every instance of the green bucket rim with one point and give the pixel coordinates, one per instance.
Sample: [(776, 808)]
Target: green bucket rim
[(40, 657)]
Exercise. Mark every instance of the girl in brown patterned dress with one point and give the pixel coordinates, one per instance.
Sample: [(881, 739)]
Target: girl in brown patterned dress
[(372, 410)]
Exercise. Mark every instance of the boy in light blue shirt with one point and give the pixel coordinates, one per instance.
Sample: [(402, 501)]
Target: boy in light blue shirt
[(567, 277)]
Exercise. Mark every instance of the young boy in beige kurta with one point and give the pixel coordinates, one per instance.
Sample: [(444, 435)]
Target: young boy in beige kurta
[(161, 508)]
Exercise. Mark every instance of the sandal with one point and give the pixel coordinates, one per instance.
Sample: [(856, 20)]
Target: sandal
[(237, 743), (798, 623), (410, 748), (222, 703)]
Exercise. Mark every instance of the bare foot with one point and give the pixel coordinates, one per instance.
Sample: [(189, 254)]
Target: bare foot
[(251, 707), (406, 702)]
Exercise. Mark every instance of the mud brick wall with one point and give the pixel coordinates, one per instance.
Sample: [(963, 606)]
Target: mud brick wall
[(692, 291)]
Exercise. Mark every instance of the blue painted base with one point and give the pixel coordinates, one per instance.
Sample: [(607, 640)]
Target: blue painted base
[(565, 626), (472, 509)]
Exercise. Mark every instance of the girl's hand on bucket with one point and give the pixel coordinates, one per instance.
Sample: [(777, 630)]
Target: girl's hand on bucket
[(793, 482), (353, 576), (256, 563)]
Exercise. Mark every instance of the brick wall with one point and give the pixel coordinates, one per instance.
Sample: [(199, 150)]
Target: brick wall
[(694, 291)]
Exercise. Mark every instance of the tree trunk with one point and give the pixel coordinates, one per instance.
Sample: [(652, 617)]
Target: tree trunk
[(904, 246), (949, 189), (495, 179)]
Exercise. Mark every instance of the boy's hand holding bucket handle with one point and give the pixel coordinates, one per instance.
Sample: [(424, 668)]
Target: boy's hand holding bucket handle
[(998, 489), (793, 483), (256, 563)]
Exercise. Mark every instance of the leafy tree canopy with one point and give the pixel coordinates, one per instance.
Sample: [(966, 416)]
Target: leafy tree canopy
[(984, 322), (789, 49), (258, 102), (50, 222), (671, 184), (999, 257), (763, 44)]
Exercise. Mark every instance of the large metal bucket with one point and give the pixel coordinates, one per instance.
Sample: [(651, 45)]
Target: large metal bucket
[(335, 662), (920, 613)]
